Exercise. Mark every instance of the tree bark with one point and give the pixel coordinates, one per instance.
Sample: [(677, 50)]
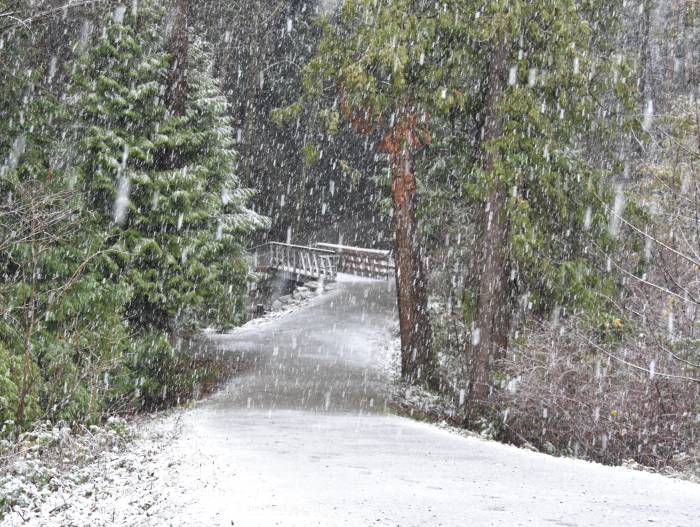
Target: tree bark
[(29, 316), (178, 47), (492, 316), (645, 84), (170, 158), (411, 283)]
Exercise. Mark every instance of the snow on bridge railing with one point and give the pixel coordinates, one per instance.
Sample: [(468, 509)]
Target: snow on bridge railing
[(298, 260), (372, 263)]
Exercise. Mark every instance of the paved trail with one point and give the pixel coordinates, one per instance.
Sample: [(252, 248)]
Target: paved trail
[(302, 438)]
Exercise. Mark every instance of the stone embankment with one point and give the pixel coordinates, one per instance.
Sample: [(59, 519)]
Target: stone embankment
[(300, 294)]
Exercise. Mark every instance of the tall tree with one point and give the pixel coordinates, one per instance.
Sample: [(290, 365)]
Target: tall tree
[(372, 58), (109, 244), (180, 225), (546, 73), (493, 307), (60, 322)]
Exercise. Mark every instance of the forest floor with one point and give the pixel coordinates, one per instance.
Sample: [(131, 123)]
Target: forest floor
[(305, 435)]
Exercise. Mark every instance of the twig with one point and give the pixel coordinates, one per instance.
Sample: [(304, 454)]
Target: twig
[(636, 366), (647, 235)]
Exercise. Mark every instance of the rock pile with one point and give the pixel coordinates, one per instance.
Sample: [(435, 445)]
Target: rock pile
[(300, 294)]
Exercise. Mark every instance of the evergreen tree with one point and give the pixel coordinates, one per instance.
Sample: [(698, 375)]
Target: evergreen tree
[(60, 323), (107, 249), (180, 227), (18, 76), (374, 57), (209, 153), (504, 98), (543, 228)]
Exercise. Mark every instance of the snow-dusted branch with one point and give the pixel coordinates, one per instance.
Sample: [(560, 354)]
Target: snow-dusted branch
[(636, 366), (26, 19), (646, 234)]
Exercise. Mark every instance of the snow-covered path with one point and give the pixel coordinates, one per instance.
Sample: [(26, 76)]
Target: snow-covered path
[(302, 438), (302, 469)]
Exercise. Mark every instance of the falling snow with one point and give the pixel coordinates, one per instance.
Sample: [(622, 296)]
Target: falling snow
[(349, 263)]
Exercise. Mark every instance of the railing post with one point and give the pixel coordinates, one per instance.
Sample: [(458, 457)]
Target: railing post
[(309, 262)]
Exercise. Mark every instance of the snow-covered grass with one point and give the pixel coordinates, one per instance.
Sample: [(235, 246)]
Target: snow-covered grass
[(417, 401), (49, 458), (443, 411), (408, 399), (109, 475)]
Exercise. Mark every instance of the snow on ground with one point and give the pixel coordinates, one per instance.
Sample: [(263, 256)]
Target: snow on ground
[(344, 278), (291, 468), (105, 477), (303, 437)]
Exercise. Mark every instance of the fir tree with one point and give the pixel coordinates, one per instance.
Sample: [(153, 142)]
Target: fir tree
[(60, 322), (501, 97), (181, 227), (371, 56), (223, 221), (543, 221)]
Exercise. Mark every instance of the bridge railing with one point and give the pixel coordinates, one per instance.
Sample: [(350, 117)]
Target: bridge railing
[(372, 263), (310, 262)]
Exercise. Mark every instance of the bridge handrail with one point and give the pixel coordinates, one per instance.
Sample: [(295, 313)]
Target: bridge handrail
[(324, 260), (297, 259), (375, 263), (349, 249), (304, 247)]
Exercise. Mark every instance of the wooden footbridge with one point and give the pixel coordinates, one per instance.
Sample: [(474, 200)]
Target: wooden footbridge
[(323, 261)]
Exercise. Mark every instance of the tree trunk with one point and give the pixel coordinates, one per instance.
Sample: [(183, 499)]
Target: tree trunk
[(414, 324), (492, 316), (30, 319), (178, 47), (645, 66), (176, 90)]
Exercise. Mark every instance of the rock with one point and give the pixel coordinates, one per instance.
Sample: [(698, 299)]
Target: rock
[(285, 299), (314, 285), (277, 305), (528, 446), (550, 448), (303, 294)]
